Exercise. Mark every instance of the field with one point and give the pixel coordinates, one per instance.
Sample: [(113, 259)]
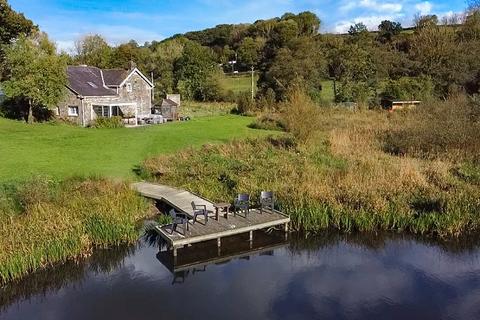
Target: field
[(195, 109), (242, 83), (62, 151), (239, 83)]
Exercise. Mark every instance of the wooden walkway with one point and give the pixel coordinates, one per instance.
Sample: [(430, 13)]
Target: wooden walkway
[(213, 229)]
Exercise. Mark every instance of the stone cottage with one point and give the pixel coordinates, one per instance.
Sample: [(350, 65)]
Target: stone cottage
[(93, 93)]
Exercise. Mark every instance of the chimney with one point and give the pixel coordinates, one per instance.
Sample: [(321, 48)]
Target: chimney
[(131, 65)]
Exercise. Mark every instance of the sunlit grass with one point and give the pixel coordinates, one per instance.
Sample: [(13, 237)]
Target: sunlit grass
[(64, 151)]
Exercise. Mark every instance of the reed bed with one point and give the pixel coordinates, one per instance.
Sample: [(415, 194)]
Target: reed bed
[(43, 222), (338, 177)]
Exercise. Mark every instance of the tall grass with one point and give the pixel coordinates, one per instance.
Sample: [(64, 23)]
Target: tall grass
[(45, 222), (336, 176)]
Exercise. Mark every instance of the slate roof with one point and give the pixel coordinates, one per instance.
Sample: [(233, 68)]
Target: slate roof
[(87, 81), (169, 103), (114, 77)]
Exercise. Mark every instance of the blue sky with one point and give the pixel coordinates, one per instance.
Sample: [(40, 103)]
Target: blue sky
[(146, 20)]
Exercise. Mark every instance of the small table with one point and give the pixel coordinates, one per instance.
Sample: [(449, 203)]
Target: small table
[(221, 206)]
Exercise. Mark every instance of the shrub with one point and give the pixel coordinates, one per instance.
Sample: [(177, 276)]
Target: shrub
[(300, 115), (268, 121), (108, 123), (245, 105), (437, 129), (409, 88), (359, 92)]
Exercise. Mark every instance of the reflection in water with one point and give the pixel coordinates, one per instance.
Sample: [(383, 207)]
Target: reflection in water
[(53, 279), (330, 277), (196, 258)]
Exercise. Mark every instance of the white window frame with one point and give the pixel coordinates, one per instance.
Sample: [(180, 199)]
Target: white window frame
[(129, 87), (72, 114)]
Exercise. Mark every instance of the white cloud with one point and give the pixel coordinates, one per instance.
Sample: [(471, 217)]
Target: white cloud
[(66, 46), (424, 7), (371, 22), (372, 5)]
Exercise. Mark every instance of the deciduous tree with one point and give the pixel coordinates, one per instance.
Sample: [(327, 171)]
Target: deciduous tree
[(35, 72), (93, 50)]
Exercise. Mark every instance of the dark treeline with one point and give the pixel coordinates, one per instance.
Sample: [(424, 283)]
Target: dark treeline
[(432, 59)]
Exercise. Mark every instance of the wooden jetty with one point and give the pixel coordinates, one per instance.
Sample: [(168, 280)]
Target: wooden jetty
[(202, 231)]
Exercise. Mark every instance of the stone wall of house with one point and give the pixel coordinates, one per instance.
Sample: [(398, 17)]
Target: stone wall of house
[(141, 94), (70, 100)]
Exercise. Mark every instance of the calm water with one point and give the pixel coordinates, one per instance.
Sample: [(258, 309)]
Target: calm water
[(333, 277)]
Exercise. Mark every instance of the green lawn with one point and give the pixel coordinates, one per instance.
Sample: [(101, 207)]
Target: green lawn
[(239, 83), (62, 151)]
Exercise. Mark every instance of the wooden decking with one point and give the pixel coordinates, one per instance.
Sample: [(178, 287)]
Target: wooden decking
[(203, 231), (177, 198)]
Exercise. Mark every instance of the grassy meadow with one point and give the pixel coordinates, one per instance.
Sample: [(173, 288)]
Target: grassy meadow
[(239, 83), (63, 151), (195, 109)]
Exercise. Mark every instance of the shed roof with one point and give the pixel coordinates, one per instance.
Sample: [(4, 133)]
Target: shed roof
[(87, 81), (169, 103)]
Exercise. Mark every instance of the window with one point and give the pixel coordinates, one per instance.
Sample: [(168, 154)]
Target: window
[(98, 110), (115, 111), (106, 112), (72, 111), (102, 111), (129, 87)]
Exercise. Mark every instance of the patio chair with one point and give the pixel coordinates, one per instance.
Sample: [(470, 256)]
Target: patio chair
[(267, 201), (242, 204), (179, 218), (199, 210)]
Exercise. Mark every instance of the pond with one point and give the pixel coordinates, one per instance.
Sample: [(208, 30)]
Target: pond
[(329, 277)]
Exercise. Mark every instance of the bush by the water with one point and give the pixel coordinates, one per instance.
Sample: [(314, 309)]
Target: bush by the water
[(108, 123), (341, 178), (43, 222)]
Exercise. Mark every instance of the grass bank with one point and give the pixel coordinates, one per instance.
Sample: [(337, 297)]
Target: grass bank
[(43, 222), (343, 175), (64, 151)]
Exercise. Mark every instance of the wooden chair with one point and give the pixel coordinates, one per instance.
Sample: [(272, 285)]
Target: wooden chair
[(267, 201), (179, 218), (242, 204), (199, 210)]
